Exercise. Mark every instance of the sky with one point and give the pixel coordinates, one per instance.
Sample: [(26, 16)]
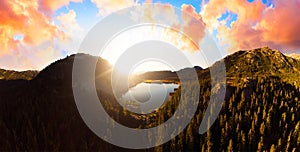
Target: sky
[(35, 33)]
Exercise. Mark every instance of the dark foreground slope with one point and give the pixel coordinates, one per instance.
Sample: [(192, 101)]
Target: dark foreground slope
[(41, 114), (260, 112)]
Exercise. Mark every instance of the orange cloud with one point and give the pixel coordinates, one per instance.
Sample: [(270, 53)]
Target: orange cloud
[(51, 5), (257, 25), (23, 17), (26, 18)]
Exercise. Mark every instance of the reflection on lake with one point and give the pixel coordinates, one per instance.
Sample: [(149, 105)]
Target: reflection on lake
[(146, 97)]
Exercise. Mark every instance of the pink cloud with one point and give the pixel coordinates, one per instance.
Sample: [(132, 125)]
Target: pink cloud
[(257, 25), (193, 24), (280, 25), (189, 23)]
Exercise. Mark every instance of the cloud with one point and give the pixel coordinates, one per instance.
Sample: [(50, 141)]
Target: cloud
[(23, 17), (30, 57), (186, 30), (73, 32), (280, 25), (257, 25), (68, 22), (191, 29), (37, 29), (108, 6), (52, 5), (193, 24)]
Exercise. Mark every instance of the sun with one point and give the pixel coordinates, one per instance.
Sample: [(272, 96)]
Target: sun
[(121, 42)]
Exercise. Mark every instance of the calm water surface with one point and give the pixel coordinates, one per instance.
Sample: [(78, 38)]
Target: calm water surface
[(147, 97)]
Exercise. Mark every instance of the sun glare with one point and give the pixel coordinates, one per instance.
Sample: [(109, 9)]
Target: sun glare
[(124, 40)]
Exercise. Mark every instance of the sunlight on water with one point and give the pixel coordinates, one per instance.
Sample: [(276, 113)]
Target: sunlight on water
[(154, 94)]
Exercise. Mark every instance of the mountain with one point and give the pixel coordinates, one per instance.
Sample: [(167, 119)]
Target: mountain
[(295, 56), (41, 114), (59, 73), (15, 75), (259, 113), (166, 75), (245, 64), (262, 62)]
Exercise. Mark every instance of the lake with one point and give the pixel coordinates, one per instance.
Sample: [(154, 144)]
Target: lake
[(147, 97)]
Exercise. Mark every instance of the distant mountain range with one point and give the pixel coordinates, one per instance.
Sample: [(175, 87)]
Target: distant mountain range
[(38, 112), (261, 62), (245, 63), (16, 75), (293, 55)]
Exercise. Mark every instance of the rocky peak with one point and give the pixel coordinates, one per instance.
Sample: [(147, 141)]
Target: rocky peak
[(260, 61)]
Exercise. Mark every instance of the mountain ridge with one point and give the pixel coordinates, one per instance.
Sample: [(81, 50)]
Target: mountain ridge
[(244, 63), (261, 62), (17, 75), (294, 55)]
